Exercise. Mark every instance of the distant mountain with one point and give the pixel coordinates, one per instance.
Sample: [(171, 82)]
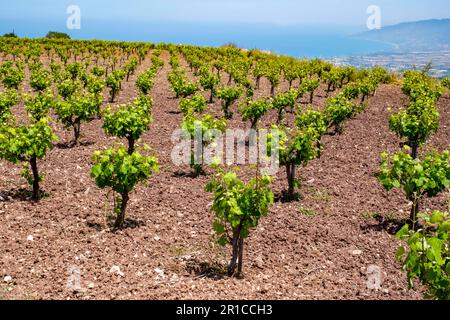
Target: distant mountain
[(426, 35)]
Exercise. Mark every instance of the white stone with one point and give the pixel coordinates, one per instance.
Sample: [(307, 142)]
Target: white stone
[(30, 238), (116, 270), (7, 279)]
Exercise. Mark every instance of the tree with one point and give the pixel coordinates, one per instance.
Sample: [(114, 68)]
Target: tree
[(27, 144), (192, 125), (209, 81), (228, 95), (128, 121), (273, 75), (74, 70), (181, 86), (38, 106), (77, 109), (113, 83), (67, 88), (238, 207), (338, 109), (121, 171), (57, 35), (195, 104), (446, 82), (12, 77), (308, 86), (418, 178), (145, 82), (417, 123), (8, 99), (296, 146), (40, 79), (421, 118), (426, 256), (253, 110), (282, 101), (10, 35)]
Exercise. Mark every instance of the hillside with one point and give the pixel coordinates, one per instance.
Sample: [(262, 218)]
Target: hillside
[(321, 243), (426, 35)]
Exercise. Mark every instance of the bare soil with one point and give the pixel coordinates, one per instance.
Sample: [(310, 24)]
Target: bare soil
[(319, 247)]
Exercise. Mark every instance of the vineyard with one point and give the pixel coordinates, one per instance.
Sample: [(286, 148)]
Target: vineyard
[(93, 206)]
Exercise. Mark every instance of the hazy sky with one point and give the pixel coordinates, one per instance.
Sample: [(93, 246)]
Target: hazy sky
[(331, 12)]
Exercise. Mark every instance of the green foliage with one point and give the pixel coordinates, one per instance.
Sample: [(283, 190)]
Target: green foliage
[(193, 126), (57, 35), (18, 144), (352, 91), (195, 104), (418, 86), (98, 71), (40, 79), (238, 207), (67, 88), (77, 109), (8, 99), (27, 144), (131, 67), (74, 70), (10, 35), (116, 169), (312, 119), (38, 106), (308, 86), (337, 110), (282, 101), (113, 83), (121, 171), (95, 85), (418, 178), (128, 121), (209, 81), (180, 85), (12, 77), (426, 256), (191, 123), (446, 82), (56, 72), (296, 146), (417, 123), (253, 110), (228, 95), (421, 118), (144, 82)]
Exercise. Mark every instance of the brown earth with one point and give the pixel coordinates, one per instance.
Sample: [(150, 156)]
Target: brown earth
[(317, 248)]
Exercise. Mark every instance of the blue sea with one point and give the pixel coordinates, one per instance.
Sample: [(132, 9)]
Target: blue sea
[(295, 40)]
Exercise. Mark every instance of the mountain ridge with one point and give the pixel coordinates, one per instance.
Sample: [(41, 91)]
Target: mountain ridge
[(423, 35)]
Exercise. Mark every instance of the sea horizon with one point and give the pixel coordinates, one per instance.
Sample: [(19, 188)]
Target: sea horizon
[(300, 41)]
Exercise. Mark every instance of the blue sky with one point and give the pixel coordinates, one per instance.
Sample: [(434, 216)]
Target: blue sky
[(282, 12)]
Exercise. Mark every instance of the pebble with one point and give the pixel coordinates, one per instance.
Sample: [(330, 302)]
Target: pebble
[(116, 270), (7, 279), (356, 252), (30, 238)]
